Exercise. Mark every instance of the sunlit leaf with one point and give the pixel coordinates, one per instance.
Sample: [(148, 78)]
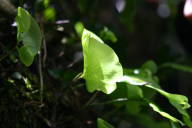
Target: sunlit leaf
[(103, 124), (164, 114), (79, 27), (27, 83), (180, 102), (49, 14), (132, 80), (101, 65)]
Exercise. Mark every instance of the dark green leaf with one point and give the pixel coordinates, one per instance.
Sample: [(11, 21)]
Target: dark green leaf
[(25, 55), (29, 33), (134, 92), (150, 65), (133, 107), (108, 35)]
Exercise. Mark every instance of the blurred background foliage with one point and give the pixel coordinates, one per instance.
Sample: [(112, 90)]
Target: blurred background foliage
[(137, 30)]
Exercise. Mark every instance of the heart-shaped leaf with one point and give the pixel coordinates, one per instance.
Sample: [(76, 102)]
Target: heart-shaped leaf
[(29, 33), (102, 68)]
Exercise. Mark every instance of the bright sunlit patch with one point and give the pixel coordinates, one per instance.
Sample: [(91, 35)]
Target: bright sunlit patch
[(136, 71), (188, 9), (120, 5), (14, 24)]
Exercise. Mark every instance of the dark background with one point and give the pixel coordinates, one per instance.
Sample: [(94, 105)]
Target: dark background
[(145, 30)]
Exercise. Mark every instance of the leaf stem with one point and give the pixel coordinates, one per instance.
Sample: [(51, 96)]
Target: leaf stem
[(91, 99), (110, 101), (41, 78)]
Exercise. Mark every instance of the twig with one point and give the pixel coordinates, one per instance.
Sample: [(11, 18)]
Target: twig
[(41, 78), (48, 122), (91, 99), (39, 17), (110, 102), (45, 50), (44, 40)]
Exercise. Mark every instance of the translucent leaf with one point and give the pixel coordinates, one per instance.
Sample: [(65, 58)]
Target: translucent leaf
[(49, 14), (29, 33), (132, 80), (25, 55), (102, 68), (23, 20), (33, 37), (27, 83), (140, 77), (103, 124), (79, 27), (180, 102), (164, 114)]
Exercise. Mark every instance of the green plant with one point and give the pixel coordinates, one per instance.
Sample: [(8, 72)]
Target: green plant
[(102, 71), (29, 33), (130, 90)]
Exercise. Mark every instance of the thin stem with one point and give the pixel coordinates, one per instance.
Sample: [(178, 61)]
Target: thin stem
[(41, 78), (110, 102), (44, 41), (91, 99), (40, 58), (45, 50)]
